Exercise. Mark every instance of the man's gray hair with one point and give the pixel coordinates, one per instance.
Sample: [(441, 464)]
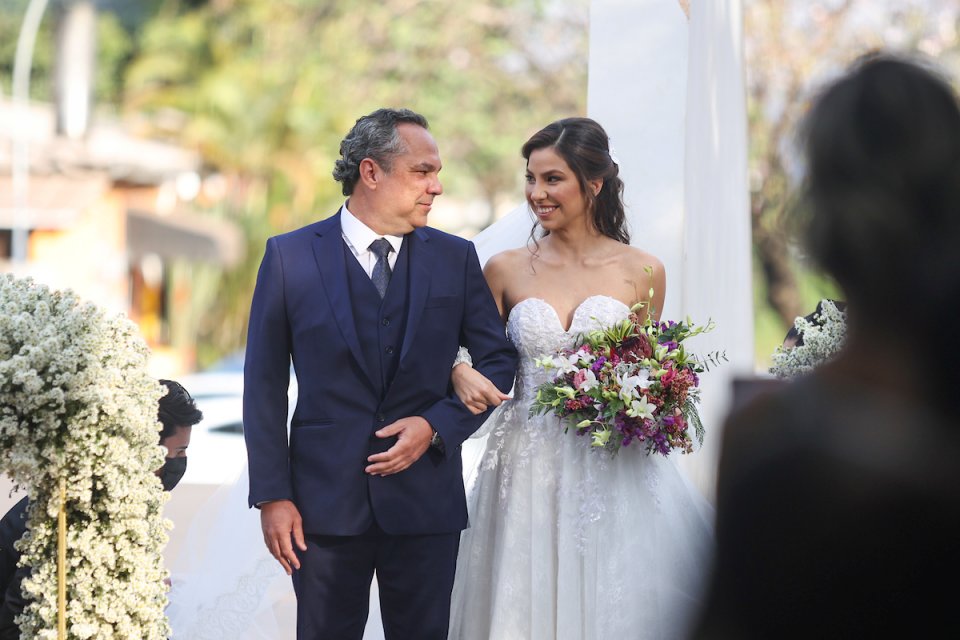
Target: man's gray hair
[(374, 136)]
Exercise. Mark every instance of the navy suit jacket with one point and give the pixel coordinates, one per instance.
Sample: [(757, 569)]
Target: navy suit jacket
[(302, 310)]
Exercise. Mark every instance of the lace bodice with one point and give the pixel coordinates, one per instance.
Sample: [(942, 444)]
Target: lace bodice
[(536, 330)]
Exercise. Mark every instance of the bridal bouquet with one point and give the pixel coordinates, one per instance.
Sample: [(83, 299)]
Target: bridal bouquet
[(632, 382)]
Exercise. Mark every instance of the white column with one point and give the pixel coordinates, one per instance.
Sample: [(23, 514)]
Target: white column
[(669, 91), (716, 237), (637, 90)]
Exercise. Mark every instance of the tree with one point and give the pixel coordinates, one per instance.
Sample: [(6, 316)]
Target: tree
[(114, 49), (265, 90), (792, 47)]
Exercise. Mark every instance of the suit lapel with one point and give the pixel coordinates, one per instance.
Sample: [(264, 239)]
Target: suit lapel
[(328, 252), (420, 264)]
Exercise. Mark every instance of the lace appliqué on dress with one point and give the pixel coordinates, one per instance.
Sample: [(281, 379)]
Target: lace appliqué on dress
[(517, 440), (567, 542)]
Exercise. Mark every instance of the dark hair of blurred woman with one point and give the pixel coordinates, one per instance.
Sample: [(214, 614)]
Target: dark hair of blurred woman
[(883, 200)]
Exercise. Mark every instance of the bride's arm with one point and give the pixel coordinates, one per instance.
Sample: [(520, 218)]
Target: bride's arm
[(652, 281), (474, 389), (471, 386), (497, 272)]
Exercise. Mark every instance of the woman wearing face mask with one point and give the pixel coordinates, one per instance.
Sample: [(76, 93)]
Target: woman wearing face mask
[(177, 414)]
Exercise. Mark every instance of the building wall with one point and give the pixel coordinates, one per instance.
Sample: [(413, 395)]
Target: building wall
[(89, 256)]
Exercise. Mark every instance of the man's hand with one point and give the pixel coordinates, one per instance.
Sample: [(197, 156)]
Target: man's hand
[(281, 522), (475, 390), (413, 439)]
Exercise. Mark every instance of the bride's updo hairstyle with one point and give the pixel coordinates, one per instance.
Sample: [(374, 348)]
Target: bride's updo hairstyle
[(584, 146), (883, 206)]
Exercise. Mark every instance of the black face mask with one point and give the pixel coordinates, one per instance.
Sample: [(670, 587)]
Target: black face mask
[(171, 472)]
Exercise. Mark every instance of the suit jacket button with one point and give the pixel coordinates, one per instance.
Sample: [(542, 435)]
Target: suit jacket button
[(385, 322), (381, 417), (389, 350)]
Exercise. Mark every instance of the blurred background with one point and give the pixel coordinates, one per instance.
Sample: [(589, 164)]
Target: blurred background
[(148, 148), (151, 146)]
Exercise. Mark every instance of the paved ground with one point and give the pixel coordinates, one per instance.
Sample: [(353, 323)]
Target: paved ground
[(188, 507)]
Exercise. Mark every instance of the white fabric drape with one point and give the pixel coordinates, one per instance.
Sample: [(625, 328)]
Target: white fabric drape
[(716, 281), (637, 90)]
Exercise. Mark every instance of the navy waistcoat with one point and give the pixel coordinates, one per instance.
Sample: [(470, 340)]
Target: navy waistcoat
[(380, 323)]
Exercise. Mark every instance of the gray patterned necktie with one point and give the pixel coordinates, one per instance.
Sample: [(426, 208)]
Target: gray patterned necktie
[(381, 248)]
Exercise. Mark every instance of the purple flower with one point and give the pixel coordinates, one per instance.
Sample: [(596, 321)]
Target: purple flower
[(662, 432), (649, 428), (598, 364)]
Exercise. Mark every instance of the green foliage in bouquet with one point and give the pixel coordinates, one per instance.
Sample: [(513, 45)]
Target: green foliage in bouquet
[(632, 382)]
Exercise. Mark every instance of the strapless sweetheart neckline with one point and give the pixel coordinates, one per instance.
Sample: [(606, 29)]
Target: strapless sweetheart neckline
[(573, 319)]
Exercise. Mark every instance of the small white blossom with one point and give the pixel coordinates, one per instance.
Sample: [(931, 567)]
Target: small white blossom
[(821, 342), (583, 355)]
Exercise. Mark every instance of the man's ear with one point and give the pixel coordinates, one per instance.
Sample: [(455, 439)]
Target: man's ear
[(370, 173)]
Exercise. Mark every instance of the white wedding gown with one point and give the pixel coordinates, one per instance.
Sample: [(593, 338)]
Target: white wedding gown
[(566, 542)]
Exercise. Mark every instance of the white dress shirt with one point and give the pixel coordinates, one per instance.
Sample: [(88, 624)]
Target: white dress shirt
[(358, 237)]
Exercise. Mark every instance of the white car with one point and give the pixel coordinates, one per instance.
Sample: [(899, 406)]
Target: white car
[(217, 452)]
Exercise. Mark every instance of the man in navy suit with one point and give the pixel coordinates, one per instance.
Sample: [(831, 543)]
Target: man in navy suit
[(370, 305)]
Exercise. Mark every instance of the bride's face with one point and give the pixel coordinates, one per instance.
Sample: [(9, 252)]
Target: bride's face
[(553, 191)]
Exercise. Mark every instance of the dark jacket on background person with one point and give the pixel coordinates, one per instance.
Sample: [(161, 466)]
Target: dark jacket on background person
[(838, 516), (12, 527)]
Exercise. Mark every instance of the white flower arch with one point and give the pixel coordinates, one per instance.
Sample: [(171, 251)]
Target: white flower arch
[(78, 410)]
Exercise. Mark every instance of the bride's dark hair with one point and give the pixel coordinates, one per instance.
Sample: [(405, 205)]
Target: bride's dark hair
[(584, 146)]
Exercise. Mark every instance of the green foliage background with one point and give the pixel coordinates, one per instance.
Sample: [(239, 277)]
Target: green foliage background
[(265, 89)]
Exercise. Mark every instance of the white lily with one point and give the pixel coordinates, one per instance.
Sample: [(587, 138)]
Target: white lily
[(589, 381), (642, 409), (601, 437), (630, 384), (582, 355), (560, 363), (545, 362)]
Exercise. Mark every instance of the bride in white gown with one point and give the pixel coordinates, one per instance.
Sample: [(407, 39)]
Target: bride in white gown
[(566, 542)]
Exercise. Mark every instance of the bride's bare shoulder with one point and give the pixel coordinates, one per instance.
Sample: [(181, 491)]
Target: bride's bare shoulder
[(506, 260), (501, 270), (636, 259), (647, 276)]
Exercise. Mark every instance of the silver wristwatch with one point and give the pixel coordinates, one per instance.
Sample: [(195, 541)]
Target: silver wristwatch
[(437, 442)]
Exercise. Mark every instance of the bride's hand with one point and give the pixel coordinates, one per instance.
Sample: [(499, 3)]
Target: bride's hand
[(475, 390)]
